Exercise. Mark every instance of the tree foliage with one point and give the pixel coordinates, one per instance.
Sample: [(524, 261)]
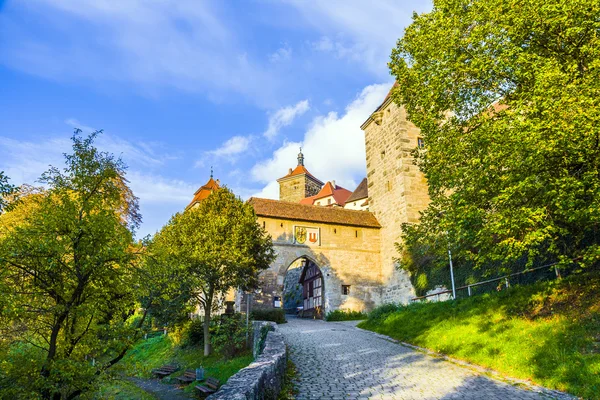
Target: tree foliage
[(6, 189), (215, 247), (68, 277), (507, 96)]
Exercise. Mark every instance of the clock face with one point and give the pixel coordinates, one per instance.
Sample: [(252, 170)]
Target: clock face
[(300, 235)]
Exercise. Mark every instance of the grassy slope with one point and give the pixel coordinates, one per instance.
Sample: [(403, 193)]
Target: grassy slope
[(548, 332), (158, 351)]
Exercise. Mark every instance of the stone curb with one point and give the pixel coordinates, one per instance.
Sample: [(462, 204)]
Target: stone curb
[(553, 394), (263, 378)]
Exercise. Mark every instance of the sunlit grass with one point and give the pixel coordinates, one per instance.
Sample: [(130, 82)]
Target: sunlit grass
[(548, 333), (158, 351)]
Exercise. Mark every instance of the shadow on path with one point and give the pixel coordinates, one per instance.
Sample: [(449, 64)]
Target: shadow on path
[(162, 391)]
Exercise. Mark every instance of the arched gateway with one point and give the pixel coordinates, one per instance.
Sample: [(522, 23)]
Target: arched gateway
[(337, 249), (303, 291)]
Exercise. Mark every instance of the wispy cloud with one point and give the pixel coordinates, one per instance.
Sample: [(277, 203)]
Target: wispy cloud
[(233, 146), (75, 124), (284, 117), (282, 54), (361, 31), (184, 44)]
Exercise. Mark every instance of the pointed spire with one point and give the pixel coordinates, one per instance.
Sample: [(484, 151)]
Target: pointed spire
[(300, 157), (211, 172)]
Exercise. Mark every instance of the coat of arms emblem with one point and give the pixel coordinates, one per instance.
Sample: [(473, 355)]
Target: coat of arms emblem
[(300, 234)]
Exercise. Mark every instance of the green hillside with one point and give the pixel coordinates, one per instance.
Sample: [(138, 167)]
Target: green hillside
[(548, 332)]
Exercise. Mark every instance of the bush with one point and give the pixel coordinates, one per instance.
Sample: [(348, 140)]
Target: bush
[(275, 315), (194, 332), (230, 336), (345, 315)]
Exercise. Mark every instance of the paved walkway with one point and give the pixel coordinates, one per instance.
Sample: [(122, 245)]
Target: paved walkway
[(160, 390), (340, 361)]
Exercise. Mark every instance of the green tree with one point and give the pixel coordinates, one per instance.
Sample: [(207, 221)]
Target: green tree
[(507, 96), (68, 277), (217, 246), (6, 189)]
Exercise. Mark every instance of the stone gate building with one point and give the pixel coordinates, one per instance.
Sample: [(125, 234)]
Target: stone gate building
[(337, 246)]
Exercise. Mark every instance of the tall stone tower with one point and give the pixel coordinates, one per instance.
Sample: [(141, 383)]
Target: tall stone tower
[(397, 188), (298, 183)]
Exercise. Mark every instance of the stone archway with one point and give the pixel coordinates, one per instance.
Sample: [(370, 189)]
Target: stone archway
[(304, 288)]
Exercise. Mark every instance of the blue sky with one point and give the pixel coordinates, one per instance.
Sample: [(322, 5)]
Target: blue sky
[(180, 86)]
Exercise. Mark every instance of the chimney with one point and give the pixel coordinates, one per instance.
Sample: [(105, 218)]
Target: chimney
[(333, 184), (290, 172)]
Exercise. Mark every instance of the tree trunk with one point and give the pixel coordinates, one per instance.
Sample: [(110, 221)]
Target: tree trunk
[(207, 309)]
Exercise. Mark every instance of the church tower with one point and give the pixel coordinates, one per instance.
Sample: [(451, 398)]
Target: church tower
[(298, 183), (397, 189)]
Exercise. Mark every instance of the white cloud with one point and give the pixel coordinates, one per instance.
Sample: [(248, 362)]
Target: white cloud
[(233, 146), (363, 31), (152, 188), (333, 147), (271, 191), (282, 54), (284, 117), (323, 44), (184, 44), (73, 123)]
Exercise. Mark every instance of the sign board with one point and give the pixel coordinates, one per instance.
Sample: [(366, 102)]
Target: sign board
[(307, 236)]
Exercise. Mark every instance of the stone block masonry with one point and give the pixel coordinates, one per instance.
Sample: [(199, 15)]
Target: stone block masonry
[(398, 190), (263, 379)]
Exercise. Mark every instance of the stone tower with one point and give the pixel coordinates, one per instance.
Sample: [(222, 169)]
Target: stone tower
[(298, 183), (397, 188)]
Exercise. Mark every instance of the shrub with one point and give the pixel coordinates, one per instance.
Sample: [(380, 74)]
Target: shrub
[(384, 310), (275, 315), (194, 332), (230, 335), (345, 315)]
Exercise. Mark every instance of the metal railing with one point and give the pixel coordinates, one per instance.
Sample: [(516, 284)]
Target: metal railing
[(506, 279)]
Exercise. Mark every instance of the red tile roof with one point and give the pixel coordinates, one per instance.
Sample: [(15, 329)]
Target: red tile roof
[(302, 212), (204, 191), (340, 194), (300, 170)]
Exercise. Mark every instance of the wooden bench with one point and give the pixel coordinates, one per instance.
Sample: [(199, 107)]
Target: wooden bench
[(188, 377), (211, 385), (165, 370)]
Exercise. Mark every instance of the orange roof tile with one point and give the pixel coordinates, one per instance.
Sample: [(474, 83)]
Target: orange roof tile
[(299, 170), (204, 191), (340, 194)]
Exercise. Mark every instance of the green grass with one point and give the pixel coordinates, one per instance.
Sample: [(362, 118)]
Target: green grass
[(158, 351), (344, 315), (548, 332), (289, 389)]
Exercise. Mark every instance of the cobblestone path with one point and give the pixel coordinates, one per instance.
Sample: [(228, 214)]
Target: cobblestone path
[(340, 361)]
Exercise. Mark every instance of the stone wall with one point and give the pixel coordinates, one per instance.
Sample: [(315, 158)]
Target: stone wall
[(262, 379), (397, 190), (347, 255), (298, 187)]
